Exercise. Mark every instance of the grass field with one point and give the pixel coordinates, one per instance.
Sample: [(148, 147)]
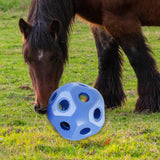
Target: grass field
[(27, 135)]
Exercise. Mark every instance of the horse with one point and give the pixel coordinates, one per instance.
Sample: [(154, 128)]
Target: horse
[(115, 24)]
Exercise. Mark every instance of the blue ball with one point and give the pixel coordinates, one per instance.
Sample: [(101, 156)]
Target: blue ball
[(76, 111)]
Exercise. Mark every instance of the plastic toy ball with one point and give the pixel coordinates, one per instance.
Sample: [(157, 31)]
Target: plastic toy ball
[(76, 111)]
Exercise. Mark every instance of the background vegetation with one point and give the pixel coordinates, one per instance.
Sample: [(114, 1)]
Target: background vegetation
[(27, 135)]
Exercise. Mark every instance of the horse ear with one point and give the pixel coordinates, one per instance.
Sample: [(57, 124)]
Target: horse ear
[(24, 27), (55, 28)]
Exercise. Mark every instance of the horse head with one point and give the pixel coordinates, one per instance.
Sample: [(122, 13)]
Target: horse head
[(44, 56)]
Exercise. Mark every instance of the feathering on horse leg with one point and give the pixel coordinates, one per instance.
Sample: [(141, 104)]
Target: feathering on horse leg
[(110, 68), (146, 71), (128, 34)]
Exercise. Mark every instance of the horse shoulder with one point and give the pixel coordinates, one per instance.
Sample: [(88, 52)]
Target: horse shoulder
[(90, 10)]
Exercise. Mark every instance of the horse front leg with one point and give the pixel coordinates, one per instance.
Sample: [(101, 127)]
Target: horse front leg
[(110, 68), (128, 34), (147, 74)]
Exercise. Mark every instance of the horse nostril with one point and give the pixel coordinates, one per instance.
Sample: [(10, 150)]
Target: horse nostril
[(36, 107), (40, 110)]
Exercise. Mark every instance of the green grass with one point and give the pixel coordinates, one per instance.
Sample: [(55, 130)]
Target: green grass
[(27, 135), (6, 5)]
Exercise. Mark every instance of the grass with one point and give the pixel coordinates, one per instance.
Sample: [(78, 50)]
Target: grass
[(27, 135)]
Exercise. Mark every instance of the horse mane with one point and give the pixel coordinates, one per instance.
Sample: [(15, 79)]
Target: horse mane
[(41, 14)]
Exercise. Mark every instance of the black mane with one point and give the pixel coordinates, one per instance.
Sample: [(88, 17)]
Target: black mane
[(41, 14)]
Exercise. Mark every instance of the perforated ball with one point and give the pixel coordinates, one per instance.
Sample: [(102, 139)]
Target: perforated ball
[(76, 111)]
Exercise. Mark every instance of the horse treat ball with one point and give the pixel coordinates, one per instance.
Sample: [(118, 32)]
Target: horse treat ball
[(76, 111)]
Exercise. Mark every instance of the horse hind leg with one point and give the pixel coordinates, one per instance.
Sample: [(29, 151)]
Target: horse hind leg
[(110, 68)]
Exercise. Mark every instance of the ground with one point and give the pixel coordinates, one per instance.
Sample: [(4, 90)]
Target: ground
[(27, 135)]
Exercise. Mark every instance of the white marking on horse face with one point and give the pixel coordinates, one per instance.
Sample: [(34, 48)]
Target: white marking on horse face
[(41, 55)]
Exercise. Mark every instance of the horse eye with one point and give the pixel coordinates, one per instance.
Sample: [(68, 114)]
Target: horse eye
[(27, 60)]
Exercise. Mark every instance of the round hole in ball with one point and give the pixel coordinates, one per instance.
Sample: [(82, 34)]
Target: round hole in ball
[(65, 126), (97, 114), (85, 131), (63, 105), (84, 97), (53, 97)]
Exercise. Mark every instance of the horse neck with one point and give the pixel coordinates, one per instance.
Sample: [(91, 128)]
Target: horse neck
[(48, 10), (45, 11)]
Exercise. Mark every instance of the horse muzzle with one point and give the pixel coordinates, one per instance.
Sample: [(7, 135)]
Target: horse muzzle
[(40, 110)]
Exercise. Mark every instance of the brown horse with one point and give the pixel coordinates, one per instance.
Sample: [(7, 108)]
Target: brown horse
[(118, 24)]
